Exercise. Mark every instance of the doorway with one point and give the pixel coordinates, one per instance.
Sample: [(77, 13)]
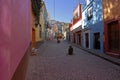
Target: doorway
[(86, 40), (79, 39), (113, 36), (33, 38), (97, 40)]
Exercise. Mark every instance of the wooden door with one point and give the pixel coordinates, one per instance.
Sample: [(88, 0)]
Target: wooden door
[(113, 36), (33, 38)]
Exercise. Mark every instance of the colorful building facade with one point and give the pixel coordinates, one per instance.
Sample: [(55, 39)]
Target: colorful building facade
[(41, 29), (14, 38), (76, 25), (92, 25), (111, 16), (99, 28), (38, 31)]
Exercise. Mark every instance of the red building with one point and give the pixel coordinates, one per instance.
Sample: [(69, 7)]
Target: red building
[(76, 25)]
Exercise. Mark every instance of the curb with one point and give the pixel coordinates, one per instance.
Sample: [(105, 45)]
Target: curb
[(103, 56)]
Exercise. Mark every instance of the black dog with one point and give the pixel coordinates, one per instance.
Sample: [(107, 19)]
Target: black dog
[(70, 50)]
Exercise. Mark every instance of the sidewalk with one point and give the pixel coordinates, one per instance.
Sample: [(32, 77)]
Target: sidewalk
[(113, 60)]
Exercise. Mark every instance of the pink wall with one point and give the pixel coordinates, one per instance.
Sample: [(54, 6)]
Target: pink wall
[(14, 35)]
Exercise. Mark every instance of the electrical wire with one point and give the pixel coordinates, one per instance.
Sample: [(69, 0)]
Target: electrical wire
[(54, 9)]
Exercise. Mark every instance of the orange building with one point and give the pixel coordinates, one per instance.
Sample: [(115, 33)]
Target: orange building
[(32, 25), (111, 16)]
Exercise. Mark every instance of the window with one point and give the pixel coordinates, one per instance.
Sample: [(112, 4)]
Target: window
[(76, 15), (89, 13), (87, 2)]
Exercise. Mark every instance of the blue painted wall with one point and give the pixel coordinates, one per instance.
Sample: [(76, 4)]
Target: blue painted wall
[(95, 24)]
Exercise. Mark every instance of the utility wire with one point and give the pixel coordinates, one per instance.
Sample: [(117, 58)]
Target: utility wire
[(54, 9)]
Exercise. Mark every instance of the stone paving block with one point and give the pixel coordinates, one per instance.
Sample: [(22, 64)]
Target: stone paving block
[(53, 63)]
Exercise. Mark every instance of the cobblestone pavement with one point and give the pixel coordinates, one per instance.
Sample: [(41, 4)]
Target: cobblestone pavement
[(53, 63)]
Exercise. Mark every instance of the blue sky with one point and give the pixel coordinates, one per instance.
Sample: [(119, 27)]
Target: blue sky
[(63, 9)]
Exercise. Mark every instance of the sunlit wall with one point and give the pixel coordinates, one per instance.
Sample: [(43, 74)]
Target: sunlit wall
[(94, 23), (111, 9)]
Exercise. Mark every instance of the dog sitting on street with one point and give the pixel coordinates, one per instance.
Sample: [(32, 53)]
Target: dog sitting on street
[(70, 50)]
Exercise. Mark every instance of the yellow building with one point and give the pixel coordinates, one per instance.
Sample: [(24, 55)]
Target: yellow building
[(40, 30), (36, 30)]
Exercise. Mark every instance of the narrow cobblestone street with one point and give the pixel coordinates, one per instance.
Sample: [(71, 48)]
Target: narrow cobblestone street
[(53, 63)]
